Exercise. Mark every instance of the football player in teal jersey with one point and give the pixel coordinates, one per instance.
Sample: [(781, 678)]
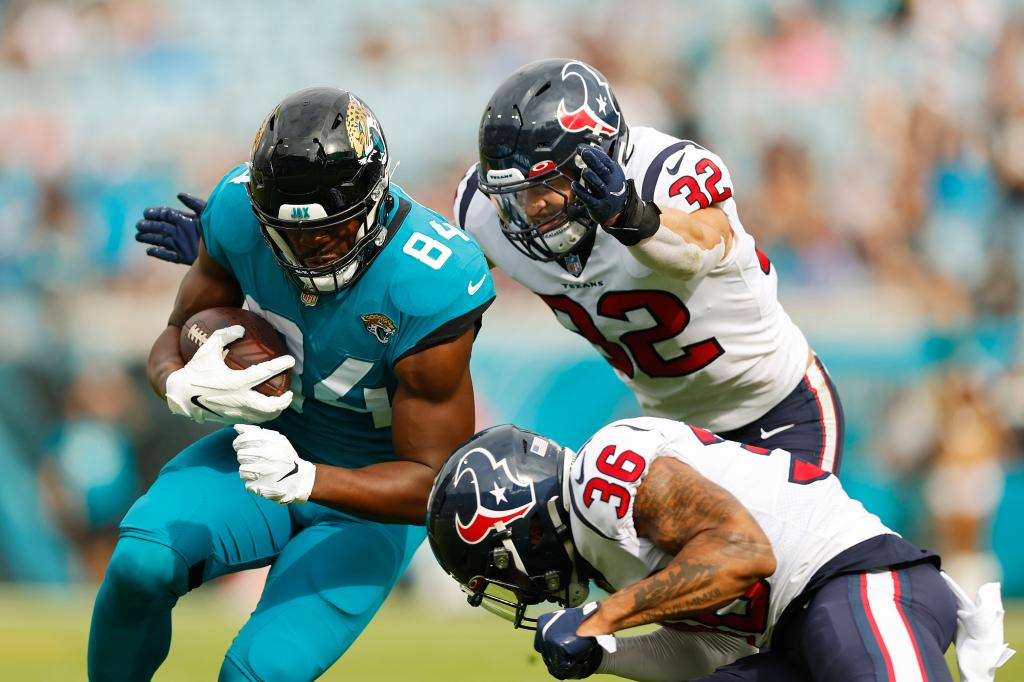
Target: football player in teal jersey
[(378, 300)]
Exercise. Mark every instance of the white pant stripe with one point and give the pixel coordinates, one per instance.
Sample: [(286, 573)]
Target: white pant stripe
[(892, 628), (829, 421)]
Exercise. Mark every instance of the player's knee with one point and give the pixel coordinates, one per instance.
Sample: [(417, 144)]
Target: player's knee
[(146, 572)]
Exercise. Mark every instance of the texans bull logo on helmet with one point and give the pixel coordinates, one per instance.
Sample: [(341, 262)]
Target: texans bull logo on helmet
[(597, 111), (500, 498)]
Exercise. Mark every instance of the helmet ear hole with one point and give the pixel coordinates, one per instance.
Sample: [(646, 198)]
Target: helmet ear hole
[(536, 531)]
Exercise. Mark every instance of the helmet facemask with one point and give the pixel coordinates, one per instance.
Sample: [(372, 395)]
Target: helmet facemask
[(295, 222), (551, 233), (508, 588)]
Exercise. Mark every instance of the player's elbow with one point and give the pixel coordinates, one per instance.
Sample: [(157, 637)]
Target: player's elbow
[(752, 557), (762, 563), (753, 564)]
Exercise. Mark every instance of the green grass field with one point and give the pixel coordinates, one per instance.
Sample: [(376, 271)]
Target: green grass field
[(43, 637)]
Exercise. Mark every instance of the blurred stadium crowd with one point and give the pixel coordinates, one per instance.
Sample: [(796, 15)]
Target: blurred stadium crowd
[(877, 148)]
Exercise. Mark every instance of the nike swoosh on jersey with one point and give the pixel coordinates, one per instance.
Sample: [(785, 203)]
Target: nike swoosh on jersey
[(765, 435), (295, 469), (195, 401), (472, 288), (675, 169)]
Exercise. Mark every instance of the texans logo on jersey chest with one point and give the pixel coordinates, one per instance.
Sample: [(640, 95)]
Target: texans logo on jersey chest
[(379, 325), (500, 498)]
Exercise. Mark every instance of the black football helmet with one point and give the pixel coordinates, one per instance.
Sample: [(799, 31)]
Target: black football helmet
[(528, 138), (496, 523), (320, 162)]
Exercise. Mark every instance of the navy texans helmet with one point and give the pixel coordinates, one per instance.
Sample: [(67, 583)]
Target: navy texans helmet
[(496, 523), (319, 187), (528, 138)]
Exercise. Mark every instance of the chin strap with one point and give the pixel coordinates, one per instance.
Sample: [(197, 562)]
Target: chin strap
[(508, 550), (576, 591)]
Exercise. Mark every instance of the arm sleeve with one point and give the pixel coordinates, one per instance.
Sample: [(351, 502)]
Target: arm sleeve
[(667, 655)]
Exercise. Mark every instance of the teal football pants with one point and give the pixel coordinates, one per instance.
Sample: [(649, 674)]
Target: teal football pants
[(330, 573)]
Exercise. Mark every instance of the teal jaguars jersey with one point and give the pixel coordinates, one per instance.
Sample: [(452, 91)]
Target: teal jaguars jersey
[(428, 283)]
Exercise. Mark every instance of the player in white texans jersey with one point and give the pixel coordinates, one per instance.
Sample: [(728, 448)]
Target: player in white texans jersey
[(727, 546), (632, 238)]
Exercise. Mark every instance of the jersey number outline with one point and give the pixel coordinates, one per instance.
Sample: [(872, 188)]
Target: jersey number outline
[(429, 251), (627, 467), (711, 193), (333, 387), (670, 316)]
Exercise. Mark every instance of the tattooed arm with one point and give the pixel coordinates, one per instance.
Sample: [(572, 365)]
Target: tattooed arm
[(719, 549)]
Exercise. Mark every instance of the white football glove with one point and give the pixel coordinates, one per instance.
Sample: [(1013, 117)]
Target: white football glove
[(206, 389), (980, 649), (270, 467)]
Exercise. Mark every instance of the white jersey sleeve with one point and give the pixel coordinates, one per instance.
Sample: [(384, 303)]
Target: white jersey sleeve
[(690, 178), (603, 480), (685, 176), (475, 214)]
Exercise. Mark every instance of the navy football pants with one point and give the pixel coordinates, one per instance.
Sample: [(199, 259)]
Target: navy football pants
[(808, 422), (884, 626)]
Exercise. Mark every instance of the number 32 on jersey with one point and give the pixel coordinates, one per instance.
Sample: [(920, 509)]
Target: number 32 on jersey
[(670, 317)]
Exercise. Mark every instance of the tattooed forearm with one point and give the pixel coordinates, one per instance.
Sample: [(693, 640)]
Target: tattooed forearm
[(720, 551), (705, 575)]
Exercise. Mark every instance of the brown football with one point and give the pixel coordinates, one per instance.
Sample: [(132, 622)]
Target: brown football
[(260, 343)]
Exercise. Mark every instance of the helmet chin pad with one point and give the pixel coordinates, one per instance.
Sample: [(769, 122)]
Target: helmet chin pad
[(563, 238)]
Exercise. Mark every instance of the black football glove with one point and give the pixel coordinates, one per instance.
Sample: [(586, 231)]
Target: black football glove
[(174, 234)]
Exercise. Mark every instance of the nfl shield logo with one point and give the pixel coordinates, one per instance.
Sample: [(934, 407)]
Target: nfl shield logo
[(573, 265)]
